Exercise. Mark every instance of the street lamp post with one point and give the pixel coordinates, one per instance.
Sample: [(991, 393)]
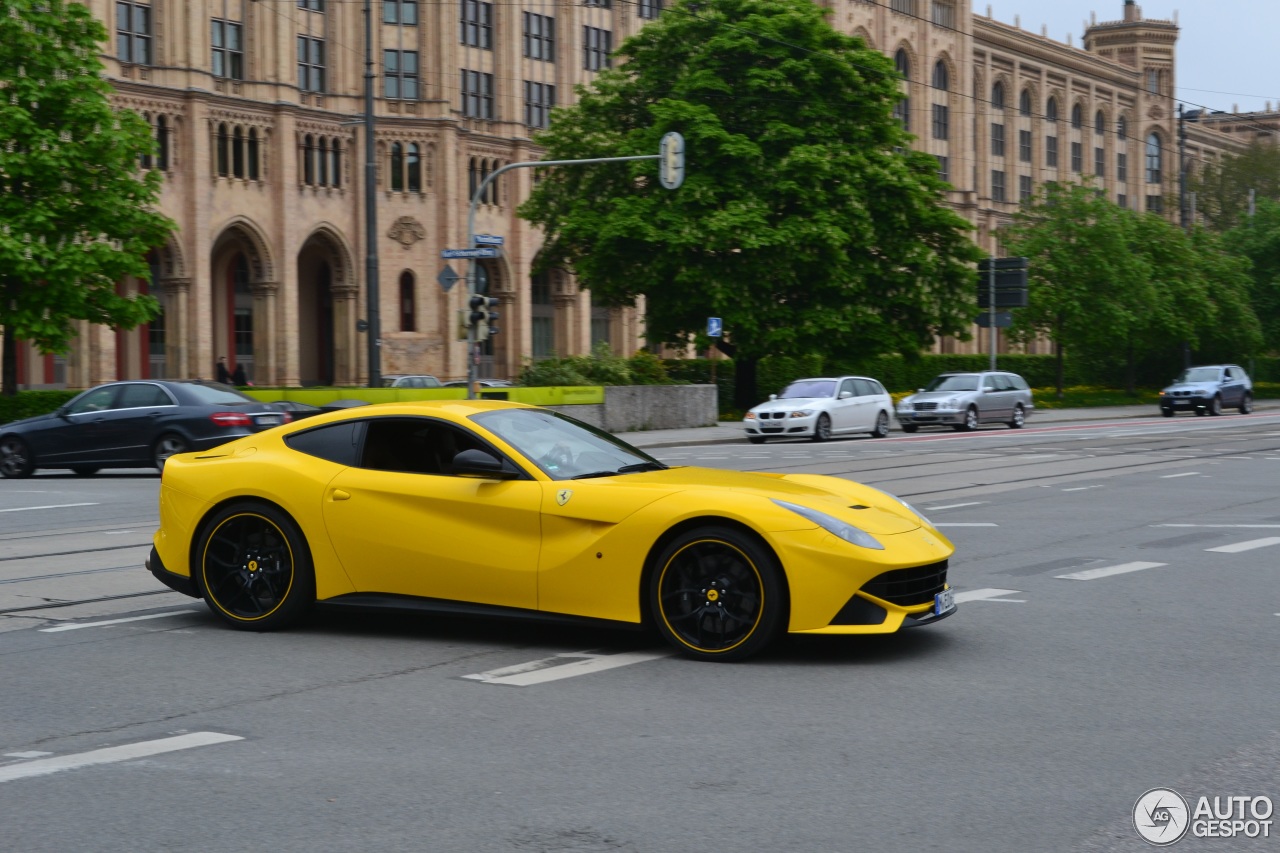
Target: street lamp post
[(374, 330)]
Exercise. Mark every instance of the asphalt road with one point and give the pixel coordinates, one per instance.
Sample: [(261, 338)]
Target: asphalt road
[(1117, 633)]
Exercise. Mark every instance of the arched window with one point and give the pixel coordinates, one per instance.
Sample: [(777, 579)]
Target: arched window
[(1153, 81), (415, 169), (1024, 102), (1051, 110), (223, 154), (408, 307), (397, 167), (997, 96), (336, 153), (253, 154), (473, 179), (1077, 116), (144, 161), (1099, 122), (1155, 159), (902, 109), (237, 152), (485, 168), (308, 161), (162, 137), (941, 82), (902, 63), (322, 162), (1122, 128)]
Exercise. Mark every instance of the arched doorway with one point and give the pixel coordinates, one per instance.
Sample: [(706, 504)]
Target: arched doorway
[(326, 312), (241, 330)]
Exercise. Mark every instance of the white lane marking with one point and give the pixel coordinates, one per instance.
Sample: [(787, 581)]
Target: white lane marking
[(112, 755), (562, 666), (1246, 546), (954, 506), (1081, 488), (32, 754), (115, 621), (967, 524), (989, 594), (50, 506), (1108, 571), (1034, 456), (1183, 474), (1241, 526)]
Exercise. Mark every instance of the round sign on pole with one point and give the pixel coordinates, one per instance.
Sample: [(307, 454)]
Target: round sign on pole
[(671, 160)]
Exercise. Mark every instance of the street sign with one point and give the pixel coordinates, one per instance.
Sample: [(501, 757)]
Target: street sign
[(448, 278), (984, 265), (484, 252), (1005, 298), (1003, 319), (671, 160), (715, 327), (489, 240)]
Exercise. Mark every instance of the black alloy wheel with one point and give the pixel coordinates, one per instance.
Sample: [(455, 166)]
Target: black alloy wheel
[(1019, 417), (882, 425), (1215, 406), (254, 567), (822, 429), (16, 460), (717, 594), (1246, 403), (167, 445)]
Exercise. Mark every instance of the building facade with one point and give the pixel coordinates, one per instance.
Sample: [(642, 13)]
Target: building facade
[(257, 107)]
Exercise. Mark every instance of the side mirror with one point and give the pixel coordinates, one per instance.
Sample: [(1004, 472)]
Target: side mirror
[(919, 390), (845, 395), (478, 463), (773, 396)]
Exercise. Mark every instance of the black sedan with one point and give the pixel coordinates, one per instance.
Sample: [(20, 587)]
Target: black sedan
[(132, 425)]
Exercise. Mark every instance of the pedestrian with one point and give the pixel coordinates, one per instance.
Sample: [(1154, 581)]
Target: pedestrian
[(224, 375), (238, 378)]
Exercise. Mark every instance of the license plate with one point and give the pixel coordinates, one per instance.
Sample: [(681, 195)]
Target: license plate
[(270, 420), (944, 602)]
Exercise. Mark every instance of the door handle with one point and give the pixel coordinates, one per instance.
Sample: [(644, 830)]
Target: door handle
[(340, 495)]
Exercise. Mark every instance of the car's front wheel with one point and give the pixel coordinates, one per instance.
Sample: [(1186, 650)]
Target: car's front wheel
[(882, 426), (1246, 404), (717, 593), (1168, 413), (756, 439), (1019, 418), (16, 460), (909, 428), (1215, 406), (167, 445), (254, 567), (970, 422), (822, 429)]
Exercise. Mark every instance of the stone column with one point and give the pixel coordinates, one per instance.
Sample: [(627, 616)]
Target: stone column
[(346, 344), (176, 294), (266, 335)]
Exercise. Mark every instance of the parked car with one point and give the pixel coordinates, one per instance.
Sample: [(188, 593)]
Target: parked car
[(297, 410), (132, 425), (484, 383), (495, 508), (822, 408), (1207, 390), (419, 380), (963, 401)]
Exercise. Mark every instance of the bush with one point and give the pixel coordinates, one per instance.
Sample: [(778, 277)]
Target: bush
[(27, 404), (647, 369)]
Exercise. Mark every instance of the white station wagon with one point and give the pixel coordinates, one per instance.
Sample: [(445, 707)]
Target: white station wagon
[(822, 408)]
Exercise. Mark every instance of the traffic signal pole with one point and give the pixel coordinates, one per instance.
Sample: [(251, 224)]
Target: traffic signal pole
[(671, 175)]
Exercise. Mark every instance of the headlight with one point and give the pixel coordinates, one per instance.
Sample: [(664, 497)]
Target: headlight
[(750, 416), (904, 405), (834, 526), (802, 413)]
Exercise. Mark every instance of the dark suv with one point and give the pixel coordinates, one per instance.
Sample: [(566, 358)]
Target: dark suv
[(1207, 390)]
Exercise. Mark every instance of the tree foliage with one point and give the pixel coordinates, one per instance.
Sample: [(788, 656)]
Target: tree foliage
[(1222, 187), (805, 220), (1258, 239), (75, 215)]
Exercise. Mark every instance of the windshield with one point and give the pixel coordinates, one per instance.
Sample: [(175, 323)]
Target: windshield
[(1199, 374), (214, 394), (562, 447), (953, 383), (809, 388)]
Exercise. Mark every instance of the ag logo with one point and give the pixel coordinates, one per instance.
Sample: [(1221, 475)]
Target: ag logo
[(1161, 816), (562, 496)]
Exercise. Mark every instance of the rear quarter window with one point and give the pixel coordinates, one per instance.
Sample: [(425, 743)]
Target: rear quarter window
[(338, 443), (1018, 382)]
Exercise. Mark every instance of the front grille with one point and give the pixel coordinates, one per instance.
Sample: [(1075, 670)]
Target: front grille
[(926, 407), (906, 587)]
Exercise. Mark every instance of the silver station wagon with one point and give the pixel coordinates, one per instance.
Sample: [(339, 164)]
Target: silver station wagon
[(963, 401)]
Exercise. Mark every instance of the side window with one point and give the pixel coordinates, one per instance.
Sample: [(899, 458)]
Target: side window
[(1226, 373), (848, 385), (989, 383), (1004, 383), (142, 394), (862, 388), (415, 445), (338, 443), (97, 400), (877, 388), (1018, 382)]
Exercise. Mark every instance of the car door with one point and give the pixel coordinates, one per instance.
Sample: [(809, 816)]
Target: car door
[(402, 524), (867, 408), (844, 408), (141, 410), (993, 402), (81, 432), (1232, 386)]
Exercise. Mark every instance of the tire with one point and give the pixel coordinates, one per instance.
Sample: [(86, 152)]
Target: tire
[(822, 429), (756, 439), (1168, 413), (85, 470), (254, 568), (16, 459), (717, 594), (910, 428), (970, 421), (1019, 417), (882, 425), (1200, 412), (1246, 404), (166, 446), (1215, 406)]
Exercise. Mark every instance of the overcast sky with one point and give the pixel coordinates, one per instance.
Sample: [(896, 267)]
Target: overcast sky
[(1226, 48)]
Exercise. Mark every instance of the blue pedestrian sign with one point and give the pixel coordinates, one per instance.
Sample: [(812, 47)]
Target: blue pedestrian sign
[(488, 240), (715, 327), (484, 252)]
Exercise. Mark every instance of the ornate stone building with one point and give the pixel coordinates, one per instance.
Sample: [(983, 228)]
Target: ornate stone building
[(257, 107)]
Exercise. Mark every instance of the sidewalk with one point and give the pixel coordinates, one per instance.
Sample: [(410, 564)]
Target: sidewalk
[(731, 432)]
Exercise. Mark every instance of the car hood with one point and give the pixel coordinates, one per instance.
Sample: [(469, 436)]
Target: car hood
[(33, 420), (936, 396), (790, 404), (612, 499), (1191, 386)]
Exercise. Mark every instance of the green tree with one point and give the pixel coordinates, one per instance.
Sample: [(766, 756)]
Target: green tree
[(76, 217), (1258, 239), (805, 220), (1222, 187)]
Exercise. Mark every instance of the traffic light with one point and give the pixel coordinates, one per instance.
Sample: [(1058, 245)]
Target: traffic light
[(671, 161), (483, 317)]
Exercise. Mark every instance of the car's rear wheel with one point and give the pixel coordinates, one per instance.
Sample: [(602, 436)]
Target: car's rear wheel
[(717, 593), (254, 567), (1215, 406), (167, 445), (1246, 404), (756, 439), (882, 426), (910, 427), (970, 422), (1019, 417), (822, 429), (85, 470), (16, 460)]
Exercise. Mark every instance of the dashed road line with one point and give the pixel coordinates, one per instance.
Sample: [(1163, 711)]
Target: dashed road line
[(967, 524), (954, 506), (80, 625), (49, 506), (989, 594), (1232, 526), (112, 755), (1081, 488), (1108, 571), (1238, 547), (561, 666), (1183, 474)]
